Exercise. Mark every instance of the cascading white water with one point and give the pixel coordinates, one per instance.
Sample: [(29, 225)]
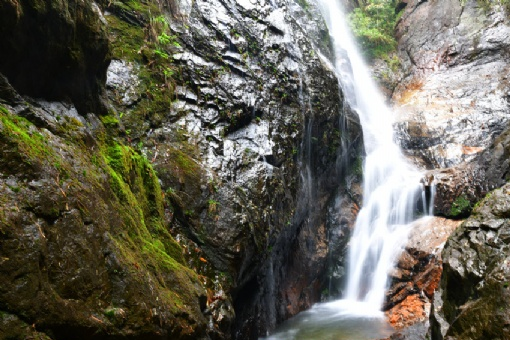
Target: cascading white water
[(391, 185)]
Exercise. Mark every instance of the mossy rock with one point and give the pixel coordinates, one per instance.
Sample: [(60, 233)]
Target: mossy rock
[(102, 237)]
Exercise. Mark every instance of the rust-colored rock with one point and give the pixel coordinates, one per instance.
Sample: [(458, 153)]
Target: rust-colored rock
[(418, 272), (408, 312)]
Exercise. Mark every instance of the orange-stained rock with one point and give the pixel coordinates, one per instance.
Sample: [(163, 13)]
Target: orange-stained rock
[(418, 272), (408, 312)]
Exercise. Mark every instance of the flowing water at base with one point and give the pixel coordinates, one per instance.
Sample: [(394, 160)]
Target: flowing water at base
[(337, 320)]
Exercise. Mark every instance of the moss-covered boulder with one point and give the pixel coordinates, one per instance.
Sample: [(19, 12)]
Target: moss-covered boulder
[(85, 251)]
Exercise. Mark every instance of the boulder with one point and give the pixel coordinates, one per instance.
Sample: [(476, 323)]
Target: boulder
[(474, 295), (418, 271)]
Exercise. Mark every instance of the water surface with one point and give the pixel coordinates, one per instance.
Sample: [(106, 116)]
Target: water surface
[(337, 320)]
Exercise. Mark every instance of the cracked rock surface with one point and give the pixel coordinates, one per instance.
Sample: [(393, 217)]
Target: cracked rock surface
[(455, 97)]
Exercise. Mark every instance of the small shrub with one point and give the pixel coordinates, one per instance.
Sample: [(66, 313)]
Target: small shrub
[(461, 207)]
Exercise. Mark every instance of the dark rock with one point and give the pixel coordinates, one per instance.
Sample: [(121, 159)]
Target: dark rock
[(474, 295), (8, 94), (56, 51)]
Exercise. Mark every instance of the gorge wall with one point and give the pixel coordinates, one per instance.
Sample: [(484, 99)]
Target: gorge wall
[(167, 167)]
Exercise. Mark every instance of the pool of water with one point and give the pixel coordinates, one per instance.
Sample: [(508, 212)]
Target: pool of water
[(338, 320)]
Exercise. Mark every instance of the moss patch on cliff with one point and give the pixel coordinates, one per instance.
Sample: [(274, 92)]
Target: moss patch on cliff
[(136, 185), (108, 245), (147, 242), (144, 37), (22, 135)]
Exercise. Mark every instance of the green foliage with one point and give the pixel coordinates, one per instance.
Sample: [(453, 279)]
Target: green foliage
[(213, 206), (373, 24), (461, 207)]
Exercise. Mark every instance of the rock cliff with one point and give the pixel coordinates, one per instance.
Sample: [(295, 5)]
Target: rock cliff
[(454, 99), (167, 167)]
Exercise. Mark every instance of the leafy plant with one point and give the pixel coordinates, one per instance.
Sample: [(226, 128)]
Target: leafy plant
[(461, 207), (373, 24), (213, 205)]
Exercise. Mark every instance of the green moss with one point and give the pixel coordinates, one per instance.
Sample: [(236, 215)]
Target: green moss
[(110, 121), (70, 124), (155, 251), (184, 162), (29, 143), (127, 39), (25, 145), (136, 171), (181, 289), (135, 184), (461, 207)]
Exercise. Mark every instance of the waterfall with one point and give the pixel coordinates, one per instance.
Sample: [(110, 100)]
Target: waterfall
[(393, 191), (391, 186)]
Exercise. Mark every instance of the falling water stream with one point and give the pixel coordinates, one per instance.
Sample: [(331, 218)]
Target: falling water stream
[(392, 190)]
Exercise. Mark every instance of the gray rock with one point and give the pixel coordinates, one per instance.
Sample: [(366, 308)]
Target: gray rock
[(122, 82), (473, 299), (454, 99), (262, 115)]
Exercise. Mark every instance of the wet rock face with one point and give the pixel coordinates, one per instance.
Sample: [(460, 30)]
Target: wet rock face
[(249, 148), (454, 100), (474, 294), (265, 113)]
